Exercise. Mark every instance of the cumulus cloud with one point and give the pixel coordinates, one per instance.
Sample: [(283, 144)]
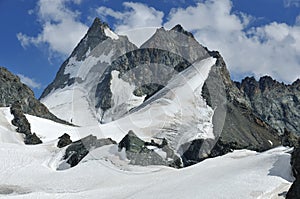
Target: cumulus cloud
[(137, 21), (272, 49), (61, 28), (29, 82)]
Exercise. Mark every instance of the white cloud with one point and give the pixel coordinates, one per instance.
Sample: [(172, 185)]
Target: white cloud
[(272, 49), (29, 81), (136, 15), (289, 3), (137, 21), (297, 21), (61, 29)]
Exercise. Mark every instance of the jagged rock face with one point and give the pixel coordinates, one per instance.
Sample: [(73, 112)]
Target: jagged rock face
[(138, 153), (242, 128), (82, 71), (94, 44), (276, 103), (177, 41), (94, 36), (79, 149), (294, 191), (12, 90), (289, 139), (158, 65)]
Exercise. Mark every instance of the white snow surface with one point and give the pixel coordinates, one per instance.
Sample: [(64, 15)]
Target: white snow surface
[(123, 98), (30, 171), (110, 34), (80, 69), (180, 114), (72, 105)]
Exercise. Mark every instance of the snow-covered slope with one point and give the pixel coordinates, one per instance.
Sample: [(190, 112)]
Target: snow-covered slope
[(28, 174), (72, 95), (177, 112), (30, 171)]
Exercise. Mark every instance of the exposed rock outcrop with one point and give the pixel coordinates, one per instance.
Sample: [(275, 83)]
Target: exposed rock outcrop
[(294, 191), (76, 151), (242, 127), (275, 103), (22, 124), (95, 42), (11, 90), (138, 153), (64, 140)]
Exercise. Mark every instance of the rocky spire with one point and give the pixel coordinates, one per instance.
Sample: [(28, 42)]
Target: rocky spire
[(180, 29), (92, 38)]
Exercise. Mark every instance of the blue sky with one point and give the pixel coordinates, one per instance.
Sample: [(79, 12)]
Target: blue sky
[(255, 37)]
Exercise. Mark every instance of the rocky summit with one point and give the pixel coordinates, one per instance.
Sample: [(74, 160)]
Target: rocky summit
[(274, 102)]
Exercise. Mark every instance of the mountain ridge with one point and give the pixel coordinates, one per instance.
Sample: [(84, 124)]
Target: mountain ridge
[(235, 121), (12, 90)]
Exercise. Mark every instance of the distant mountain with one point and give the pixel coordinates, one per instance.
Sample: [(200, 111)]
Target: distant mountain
[(276, 103)]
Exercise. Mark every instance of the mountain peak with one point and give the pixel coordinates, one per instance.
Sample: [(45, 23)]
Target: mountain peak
[(97, 26), (95, 35), (180, 29)]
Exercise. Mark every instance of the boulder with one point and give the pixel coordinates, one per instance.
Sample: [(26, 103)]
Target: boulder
[(22, 124), (138, 153), (76, 151), (64, 140), (32, 139), (20, 121)]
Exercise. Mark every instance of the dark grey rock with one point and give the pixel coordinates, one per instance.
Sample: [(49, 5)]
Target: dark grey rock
[(22, 124), (138, 153), (64, 140), (191, 152), (11, 90), (276, 103), (20, 121), (294, 191), (180, 29), (159, 65), (32, 139), (242, 127), (289, 139), (95, 41), (76, 151)]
